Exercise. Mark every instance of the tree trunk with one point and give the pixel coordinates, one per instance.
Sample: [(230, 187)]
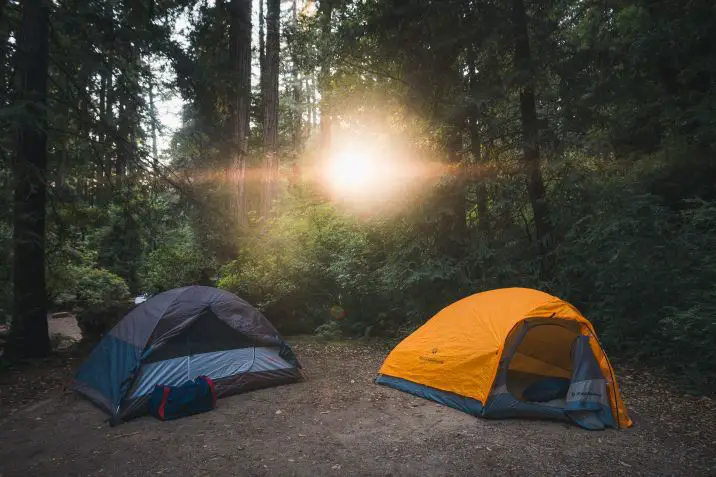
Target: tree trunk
[(122, 149), (84, 128), (262, 67), (483, 220), (456, 223), (530, 128), (297, 115), (326, 10), (311, 88), (240, 36), (4, 36), (273, 10), (109, 127), (153, 127), (29, 334), (99, 160)]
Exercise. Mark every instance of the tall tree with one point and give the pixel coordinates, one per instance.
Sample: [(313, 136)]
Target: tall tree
[(270, 100), (325, 12), (29, 326), (312, 113), (262, 64), (153, 125), (530, 126), (297, 111), (483, 220), (240, 51), (4, 35)]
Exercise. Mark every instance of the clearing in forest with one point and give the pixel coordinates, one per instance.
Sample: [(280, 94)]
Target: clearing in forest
[(339, 423)]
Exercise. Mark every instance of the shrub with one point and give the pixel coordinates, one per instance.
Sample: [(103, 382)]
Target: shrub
[(641, 271), (175, 265), (99, 298), (330, 330)]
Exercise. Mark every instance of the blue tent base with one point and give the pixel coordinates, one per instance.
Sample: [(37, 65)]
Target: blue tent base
[(461, 403), (502, 406)]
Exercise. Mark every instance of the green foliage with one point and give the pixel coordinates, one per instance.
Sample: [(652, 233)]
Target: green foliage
[(83, 287), (634, 237), (642, 272), (329, 331), (98, 297), (175, 265), (75, 282), (121, 249)]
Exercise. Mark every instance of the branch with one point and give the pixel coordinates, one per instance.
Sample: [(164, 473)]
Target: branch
[(375, 72)]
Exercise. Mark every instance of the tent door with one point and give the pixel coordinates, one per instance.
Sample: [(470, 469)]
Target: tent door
[(587, 402), (540, 349)]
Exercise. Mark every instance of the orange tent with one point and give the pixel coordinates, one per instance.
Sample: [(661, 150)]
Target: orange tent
[(503, 353)]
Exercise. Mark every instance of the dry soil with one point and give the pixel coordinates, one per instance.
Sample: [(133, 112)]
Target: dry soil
[(339, 423)]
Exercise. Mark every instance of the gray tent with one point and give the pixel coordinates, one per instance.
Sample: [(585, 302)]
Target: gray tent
[(178, 335)]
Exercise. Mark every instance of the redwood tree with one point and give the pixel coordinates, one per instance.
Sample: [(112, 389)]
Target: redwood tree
[(29, 334), (530, 125), (240, 49), (270, 102)]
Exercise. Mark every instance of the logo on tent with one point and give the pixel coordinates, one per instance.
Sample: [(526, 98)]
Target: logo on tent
[(432, 357)]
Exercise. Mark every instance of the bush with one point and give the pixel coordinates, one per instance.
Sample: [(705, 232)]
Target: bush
[(312, 260), (330, 330), (176, 265), (95, 322), (642, 272), (99, 298)]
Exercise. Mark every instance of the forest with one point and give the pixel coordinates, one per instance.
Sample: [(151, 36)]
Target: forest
[(352, 167)]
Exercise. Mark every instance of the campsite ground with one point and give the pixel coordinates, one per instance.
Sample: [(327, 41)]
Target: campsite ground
[(340, 423)]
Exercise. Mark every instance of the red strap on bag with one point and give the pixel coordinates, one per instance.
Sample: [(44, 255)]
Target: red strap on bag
[(165, 397), (212, 387)]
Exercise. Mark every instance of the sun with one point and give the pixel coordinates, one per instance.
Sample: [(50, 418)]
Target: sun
[(351, 170), (371, 171), (354, 169)]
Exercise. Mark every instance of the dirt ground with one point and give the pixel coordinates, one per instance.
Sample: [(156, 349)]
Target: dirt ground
[(339, 423)]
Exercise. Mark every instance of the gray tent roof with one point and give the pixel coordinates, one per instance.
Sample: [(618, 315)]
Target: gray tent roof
[(164, 315)]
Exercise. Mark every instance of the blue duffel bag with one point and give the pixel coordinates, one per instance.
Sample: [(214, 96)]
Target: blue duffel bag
[(192, 397)]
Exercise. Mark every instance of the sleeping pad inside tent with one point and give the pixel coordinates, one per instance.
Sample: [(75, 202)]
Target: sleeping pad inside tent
[(512, 352), (177, 336)]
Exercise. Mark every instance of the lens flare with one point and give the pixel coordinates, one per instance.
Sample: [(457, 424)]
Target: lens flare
[(352, 171), (374, 171)]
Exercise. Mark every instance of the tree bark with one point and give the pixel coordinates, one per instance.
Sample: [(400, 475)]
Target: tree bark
[(109, 128), (311, 88), (530, 127), (99, 164), (122, 146), (153, 127), (326, 10), (455, 226), (262, 66), (483, 220), (29, 334), (273, 10), (240, 37), (297, 115), (4, 36)]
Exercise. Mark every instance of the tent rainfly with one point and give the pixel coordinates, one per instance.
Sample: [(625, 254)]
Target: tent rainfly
[(512, 352)]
